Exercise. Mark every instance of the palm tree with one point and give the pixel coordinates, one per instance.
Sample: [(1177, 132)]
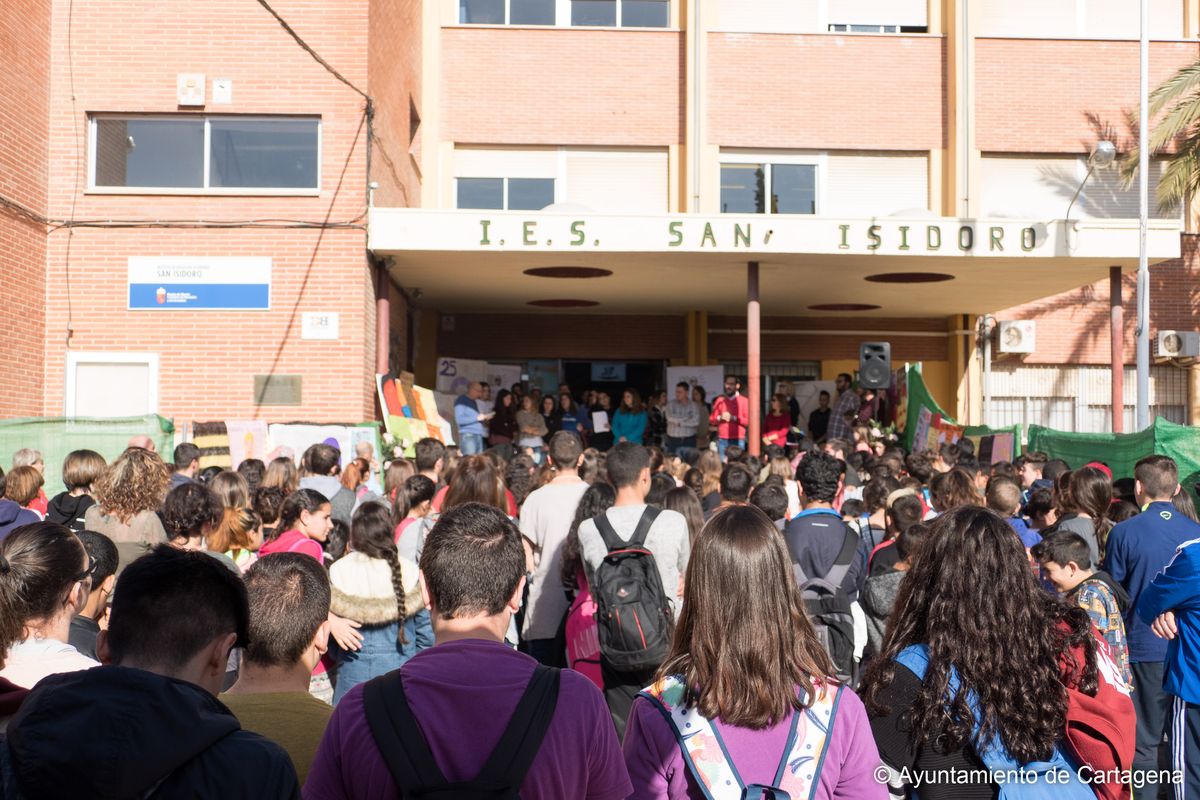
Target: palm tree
[(1176, 105)]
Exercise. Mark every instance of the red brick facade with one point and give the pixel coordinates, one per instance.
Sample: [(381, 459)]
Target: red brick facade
[(561, 86), (1038, 95), (24, 118), (209, 359), (826, 92)]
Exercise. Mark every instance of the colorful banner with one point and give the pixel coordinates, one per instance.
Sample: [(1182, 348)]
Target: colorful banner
[(923, 425)]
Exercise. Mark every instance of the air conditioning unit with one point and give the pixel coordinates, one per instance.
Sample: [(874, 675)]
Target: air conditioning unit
[(1178, 344), (1017, 336)]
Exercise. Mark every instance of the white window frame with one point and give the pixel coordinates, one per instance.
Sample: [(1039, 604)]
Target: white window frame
[(562, 18), (504, 179), (75, 358), (818, 160), (92, 188)]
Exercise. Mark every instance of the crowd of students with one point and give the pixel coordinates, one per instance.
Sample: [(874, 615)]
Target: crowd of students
[(682, 621)]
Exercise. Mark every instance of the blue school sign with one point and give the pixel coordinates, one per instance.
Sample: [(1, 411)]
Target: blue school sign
[(213, 283)]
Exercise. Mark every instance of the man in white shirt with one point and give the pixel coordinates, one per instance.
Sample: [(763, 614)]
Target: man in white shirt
[(546, 519)]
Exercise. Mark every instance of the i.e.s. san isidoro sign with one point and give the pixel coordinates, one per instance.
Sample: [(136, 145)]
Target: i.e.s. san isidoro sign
[(724, 235), (430, 230)]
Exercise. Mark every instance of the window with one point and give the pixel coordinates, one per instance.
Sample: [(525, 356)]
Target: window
[(858, 28), (221, 154), (513, 194), (512, 12), (621, 13), (791, 187), (111, 384)]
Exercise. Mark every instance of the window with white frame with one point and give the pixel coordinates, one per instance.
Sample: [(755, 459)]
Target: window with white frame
[(578, 13), (511, 194), (193, 153), (506, 12), (111, 384), (746, 187)]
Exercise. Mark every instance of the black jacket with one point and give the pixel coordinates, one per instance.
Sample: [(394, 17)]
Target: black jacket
[(67, 510), (116, 732)]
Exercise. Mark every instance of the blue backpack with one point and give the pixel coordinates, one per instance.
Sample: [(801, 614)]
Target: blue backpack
[(1056, 779)]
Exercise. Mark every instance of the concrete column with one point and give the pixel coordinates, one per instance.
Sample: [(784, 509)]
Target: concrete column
[(753, 359), (1116, 335)]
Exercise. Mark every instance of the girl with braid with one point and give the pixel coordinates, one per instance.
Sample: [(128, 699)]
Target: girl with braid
[(374, 586)]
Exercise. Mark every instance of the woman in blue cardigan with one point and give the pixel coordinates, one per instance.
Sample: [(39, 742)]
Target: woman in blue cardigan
[(629, 423)]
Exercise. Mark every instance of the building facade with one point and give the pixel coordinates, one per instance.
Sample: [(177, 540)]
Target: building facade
[(725, 117)]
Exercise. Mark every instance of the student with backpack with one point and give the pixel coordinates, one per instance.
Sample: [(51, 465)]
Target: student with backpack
[(471, 710), (700, 732), (982, 669), (828, 560), (634, 558)]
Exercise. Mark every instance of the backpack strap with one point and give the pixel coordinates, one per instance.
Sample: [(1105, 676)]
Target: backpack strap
[(407, 754), (614, 542), (398, 736), (522, 739), (841, 565), (649, 515), (707, 757)]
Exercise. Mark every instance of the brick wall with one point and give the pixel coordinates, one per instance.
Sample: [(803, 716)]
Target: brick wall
[(566, 336), (826, 92), (562, 86), (827, 346), (24, 115), (1073, 327), (1036, 95), (394, 69), (126, 56)]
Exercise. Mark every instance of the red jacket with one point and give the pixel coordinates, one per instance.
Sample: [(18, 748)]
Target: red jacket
[(738, 408), (1100, 728)]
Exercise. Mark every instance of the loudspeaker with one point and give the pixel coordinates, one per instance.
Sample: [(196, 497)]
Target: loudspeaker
[(875, 365)]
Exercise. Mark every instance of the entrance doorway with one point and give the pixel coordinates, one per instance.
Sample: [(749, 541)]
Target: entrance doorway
[(614, 377)]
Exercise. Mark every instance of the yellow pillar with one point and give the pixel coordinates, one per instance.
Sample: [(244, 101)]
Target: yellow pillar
[(425, 348), (966, 375)]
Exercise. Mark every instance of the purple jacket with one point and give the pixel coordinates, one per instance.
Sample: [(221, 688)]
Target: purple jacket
[(12, 516), (463, 694), (658, 771)]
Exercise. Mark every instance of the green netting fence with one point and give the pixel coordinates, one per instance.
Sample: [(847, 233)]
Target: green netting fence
[(57, 436), (1121, 451)]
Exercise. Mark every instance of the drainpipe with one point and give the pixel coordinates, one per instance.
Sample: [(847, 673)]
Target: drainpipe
[(697, 122)]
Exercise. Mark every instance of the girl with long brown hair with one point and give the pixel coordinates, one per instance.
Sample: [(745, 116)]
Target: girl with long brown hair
[(745, 696), (1083, 508)]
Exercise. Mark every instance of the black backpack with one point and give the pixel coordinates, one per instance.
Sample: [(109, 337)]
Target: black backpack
[(828, 608), (407, 754), (633, 614)]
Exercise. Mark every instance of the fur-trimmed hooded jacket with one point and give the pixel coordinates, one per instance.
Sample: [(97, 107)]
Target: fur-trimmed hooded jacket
[(362, 589)]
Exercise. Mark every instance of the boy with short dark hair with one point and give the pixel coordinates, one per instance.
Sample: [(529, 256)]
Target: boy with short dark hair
[(148, 723), (1067, 563), (85, 627), (289, 632)]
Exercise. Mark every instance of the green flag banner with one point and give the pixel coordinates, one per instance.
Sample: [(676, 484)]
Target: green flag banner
[(923, 425)]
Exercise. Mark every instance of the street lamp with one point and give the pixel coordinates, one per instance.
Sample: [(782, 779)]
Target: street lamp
[(1103, 156)]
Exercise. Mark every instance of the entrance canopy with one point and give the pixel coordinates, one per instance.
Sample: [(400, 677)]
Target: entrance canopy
[(473, 261)]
